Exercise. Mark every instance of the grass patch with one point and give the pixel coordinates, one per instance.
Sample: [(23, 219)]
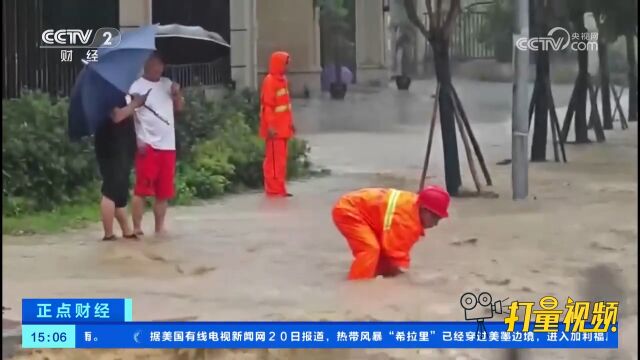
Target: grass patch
[(79, 216), (65, 217)]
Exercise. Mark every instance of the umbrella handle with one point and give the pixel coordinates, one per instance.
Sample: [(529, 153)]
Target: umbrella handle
[(153, 111), (157, 115)]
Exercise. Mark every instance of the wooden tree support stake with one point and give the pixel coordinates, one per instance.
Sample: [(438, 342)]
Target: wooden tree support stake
[(467, 147), (594, 117), (568, 116), (555, 124), (532, 103), (590, 123), (556, 134), (618, 109), (476, 147)]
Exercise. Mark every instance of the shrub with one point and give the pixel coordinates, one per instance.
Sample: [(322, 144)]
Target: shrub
[(217, 144), (41, 169), (220, 148)]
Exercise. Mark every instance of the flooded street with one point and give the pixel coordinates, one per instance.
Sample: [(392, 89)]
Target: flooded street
[(245, 257)]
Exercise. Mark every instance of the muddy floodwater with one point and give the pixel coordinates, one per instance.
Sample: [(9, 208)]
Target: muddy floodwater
[(245, 257)]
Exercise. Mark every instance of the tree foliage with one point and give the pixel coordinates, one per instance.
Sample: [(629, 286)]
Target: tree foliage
[(497, 30), (218, 152), (442, 16), (334, 29), (615, 17)]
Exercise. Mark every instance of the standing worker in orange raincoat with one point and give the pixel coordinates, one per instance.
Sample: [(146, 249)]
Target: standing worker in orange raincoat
[(381, 226), (276, 124)]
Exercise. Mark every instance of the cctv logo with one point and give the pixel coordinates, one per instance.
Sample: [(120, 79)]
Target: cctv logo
[(75, 38), (66, 37), (480, 308)]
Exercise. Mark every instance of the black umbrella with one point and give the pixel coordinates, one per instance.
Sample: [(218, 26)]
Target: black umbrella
[(180, 44)]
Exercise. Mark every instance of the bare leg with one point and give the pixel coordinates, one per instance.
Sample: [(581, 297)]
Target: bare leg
[(137, 209), (159, 212), (123, 221), (107, 212)]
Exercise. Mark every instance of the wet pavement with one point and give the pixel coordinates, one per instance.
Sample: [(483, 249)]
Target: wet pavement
[(249, 258), (386, 131)]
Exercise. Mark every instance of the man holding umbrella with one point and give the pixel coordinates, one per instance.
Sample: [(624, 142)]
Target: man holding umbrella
[(155, 161), (98, 107)]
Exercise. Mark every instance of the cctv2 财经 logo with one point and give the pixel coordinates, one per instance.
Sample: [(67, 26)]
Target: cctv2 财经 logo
[(480, 308), (76, 38)]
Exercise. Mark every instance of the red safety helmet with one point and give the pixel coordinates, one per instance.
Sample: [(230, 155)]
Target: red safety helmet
[(435, 199)]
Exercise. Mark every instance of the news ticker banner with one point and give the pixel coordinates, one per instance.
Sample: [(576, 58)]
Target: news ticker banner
[(303, 335), (111, 327)]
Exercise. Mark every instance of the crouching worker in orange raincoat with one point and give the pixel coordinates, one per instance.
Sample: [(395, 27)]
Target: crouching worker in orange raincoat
[(276, 124), (381, 226)]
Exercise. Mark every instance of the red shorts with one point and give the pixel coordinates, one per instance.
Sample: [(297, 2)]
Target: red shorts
[(155, 173)]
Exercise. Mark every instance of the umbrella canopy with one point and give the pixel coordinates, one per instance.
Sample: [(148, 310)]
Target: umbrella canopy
[(329, 76), (102, 85), (180, 44)]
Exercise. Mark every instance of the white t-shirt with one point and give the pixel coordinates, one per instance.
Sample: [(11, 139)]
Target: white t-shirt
[(149, 128)]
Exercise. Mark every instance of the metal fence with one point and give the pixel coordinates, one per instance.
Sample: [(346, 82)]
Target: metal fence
[(207, 74), (465, 44), (26, 66)]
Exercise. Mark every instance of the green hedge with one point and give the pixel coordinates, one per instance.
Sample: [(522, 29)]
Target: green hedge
[(217, 147)]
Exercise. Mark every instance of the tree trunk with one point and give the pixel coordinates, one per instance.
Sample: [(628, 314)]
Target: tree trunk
[(582, 86), (541, 106), (453, 179), (603, 57), (633, 77)]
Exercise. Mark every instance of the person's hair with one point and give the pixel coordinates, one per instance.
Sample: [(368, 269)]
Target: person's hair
[(156, 55)]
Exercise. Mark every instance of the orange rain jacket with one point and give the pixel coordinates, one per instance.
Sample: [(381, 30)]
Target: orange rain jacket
[(275, 104), (381, 226)]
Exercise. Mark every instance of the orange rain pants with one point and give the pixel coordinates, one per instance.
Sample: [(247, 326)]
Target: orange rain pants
[(276, 124), (274, 167), (381, 226)]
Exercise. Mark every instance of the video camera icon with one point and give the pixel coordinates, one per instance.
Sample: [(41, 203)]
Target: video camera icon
[(480, 308)]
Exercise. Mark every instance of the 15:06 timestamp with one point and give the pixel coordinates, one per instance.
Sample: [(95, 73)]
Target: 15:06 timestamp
[(52, 337), (48, 336)]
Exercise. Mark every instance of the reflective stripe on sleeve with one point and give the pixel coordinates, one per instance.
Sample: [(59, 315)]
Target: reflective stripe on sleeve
[(391, 207)]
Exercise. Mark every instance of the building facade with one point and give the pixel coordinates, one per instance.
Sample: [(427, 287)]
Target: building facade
[(254, 29), (262, 27)]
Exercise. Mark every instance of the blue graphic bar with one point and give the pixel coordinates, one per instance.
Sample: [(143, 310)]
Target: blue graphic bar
[(75, 311), (128, 310), (317, 335)]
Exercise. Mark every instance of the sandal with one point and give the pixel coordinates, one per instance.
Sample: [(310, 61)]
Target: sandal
[(131, 236), (138, 233), (109, 238)]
